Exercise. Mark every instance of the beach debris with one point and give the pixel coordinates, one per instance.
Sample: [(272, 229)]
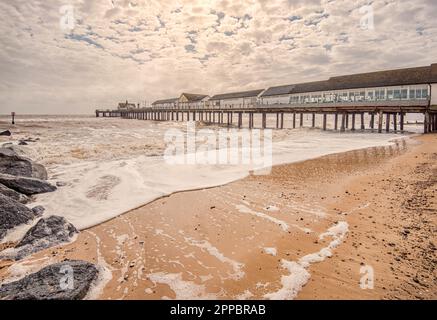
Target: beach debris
[(13, 214), (6, 133), (27, 186), (11, 162), (47, 233), (38, 210), (13, 194), (68, 280)]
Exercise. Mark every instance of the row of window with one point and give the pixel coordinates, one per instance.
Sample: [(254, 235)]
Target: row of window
[(376, 95)]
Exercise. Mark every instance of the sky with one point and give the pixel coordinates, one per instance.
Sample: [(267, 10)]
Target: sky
[(71, 57)]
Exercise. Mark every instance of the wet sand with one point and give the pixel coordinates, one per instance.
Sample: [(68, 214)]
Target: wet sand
[(243, 240)]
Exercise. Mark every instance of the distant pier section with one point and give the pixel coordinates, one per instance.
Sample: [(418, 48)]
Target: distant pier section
[(378, 100)]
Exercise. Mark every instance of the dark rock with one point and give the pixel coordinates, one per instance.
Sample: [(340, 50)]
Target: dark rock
[(48, 232), (53, 229), (13, 194), (22, 143), (38, 210), (6, 133), (28, 186), (12, 214), (68, 280), (61, 184), (11, 162)]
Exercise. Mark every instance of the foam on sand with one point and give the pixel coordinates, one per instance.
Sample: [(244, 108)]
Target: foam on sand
[(298, 276), (184, 290)]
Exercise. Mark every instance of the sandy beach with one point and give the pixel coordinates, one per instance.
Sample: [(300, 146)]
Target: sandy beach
[(303, 232)]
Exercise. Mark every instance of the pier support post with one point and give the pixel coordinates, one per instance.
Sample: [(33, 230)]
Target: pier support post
[(372, 121), (240, 120), (426, 123), (282, 120), (402, 122), (313, 123), (347, 120), (395, 122), (301, 120), (343, 122), (387, 125), (380, 120), (353, 121), (324, 121), (264, 120), (336, 121), (362, 121), (294, 120)]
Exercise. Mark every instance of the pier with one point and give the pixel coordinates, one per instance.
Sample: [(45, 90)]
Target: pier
[(344, 117), (378, 101)]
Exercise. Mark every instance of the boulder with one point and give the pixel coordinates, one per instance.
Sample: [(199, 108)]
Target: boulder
[(27, 186), (6, 133), (47, 233), (68, 280), (13, 214), (13, 194), (17, 165)]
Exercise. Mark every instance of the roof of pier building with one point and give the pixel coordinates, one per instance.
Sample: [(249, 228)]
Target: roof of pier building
[(398, 77), (192, 97), (238, 95), (165, 101)]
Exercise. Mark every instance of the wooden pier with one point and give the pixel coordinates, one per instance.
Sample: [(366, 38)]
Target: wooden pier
[(346, 117)]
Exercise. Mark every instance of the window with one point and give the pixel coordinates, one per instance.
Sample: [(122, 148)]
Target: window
[(424, 93), (390, 94), (351, 96), (404, 94), (370, 95), (412, 94), (380, 94), (397, 94)]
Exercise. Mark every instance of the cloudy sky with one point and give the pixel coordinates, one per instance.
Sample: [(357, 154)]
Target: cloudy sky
[(73, 56)]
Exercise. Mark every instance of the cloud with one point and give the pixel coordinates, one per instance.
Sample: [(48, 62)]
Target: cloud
[(145, 50)]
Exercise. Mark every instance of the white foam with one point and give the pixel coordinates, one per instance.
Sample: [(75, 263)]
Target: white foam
[(244, 209), (105, 273), (213, 251), (184, 290), (271, 251), (293, 283), (246, 295)]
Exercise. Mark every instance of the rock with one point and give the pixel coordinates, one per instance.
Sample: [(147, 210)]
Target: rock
[(13, 194), (27, 186), (48, 232), (12, 214), (6, 133), (17, 165), (38, 210), (68, 280), (22, 143)]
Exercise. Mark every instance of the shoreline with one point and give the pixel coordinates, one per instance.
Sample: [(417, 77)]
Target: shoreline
[(131, 226)]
